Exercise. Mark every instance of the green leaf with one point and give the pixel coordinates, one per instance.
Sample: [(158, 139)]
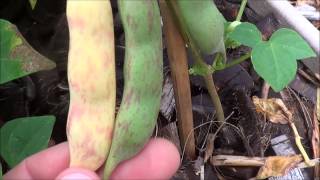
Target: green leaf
[(17, 57), (291, 42), (246, 34), (8, 40), (23, 137), (1, 178), (11, 69), (33, 3), (275, 60), (274, 66)]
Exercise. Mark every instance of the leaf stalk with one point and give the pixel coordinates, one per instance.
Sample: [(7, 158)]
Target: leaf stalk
[(241, 10)]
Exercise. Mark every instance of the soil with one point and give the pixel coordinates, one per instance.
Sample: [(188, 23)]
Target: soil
[(249, 134)]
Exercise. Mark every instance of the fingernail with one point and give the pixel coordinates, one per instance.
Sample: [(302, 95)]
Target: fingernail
[(76, 176)]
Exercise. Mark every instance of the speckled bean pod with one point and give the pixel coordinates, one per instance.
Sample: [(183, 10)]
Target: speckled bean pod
[(140, 104), (91, 76)]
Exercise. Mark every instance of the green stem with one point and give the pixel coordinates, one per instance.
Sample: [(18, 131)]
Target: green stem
[(238, 61), (299, 144), (214, 97), (243, 5)]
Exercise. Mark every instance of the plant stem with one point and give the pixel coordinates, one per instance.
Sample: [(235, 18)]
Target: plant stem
[(242, 6), (214, 97), (299, 144), (233, 62), (238, 61), (179, 72)]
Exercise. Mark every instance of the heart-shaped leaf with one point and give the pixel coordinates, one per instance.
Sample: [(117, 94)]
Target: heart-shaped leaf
[(23, 137), (275, 60), (246, 34), (274, 66), (291, 42), (17, 57)]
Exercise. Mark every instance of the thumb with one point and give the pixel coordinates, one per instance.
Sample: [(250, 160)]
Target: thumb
[(77, 174)]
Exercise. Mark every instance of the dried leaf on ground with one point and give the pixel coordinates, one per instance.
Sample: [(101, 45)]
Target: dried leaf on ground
[(274, 108), (278, 166)]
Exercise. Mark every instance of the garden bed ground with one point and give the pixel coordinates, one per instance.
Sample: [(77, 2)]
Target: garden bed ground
[(249, 134)]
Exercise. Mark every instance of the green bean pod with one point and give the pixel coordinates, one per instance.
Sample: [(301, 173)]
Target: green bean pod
[(143, 77), (205, 24)]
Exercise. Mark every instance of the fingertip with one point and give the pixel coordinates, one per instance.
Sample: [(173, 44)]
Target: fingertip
[(167, 155), (77, 174), (159, 159)]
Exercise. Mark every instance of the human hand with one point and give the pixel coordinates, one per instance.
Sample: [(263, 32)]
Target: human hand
[(158, 160)]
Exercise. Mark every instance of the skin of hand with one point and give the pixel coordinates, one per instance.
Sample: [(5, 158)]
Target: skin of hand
[(158, 160)]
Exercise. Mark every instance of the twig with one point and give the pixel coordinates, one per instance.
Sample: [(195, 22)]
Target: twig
[(179, 72), (206, 137), (216, 133), (297, 139), (230, 160), (313, 79), (305, 111), (209, 117), (296, 133), (209, 122), (202, 172), (184, 147)]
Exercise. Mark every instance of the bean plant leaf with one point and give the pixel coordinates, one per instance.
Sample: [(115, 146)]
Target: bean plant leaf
[(23, 137), (291, 42), (1, 178), (275, 60), (11, 69), (17, 57), (274, 66), (33, 3), (246, 34)]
